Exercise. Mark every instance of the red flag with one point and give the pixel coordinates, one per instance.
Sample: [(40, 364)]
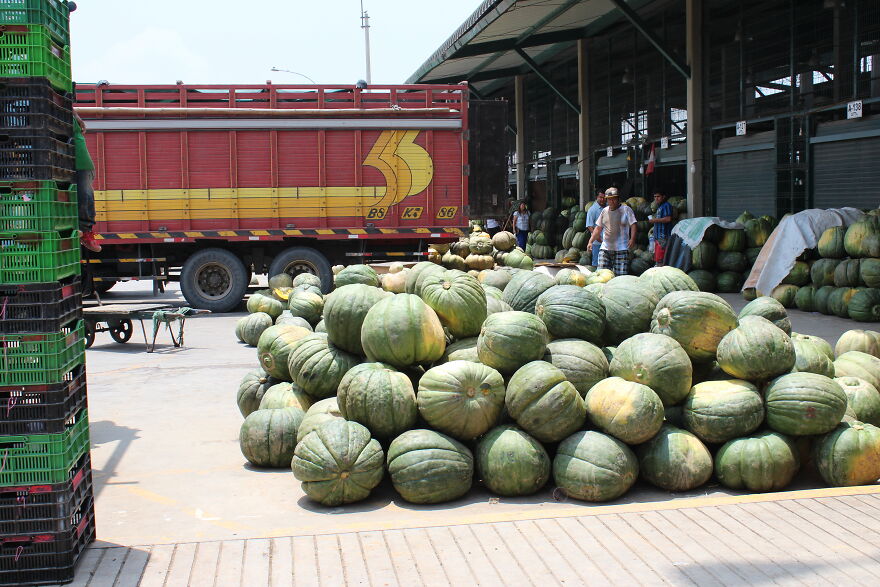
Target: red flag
[(651, 160)]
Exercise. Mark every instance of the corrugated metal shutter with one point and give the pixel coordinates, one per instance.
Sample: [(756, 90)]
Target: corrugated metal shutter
[(846, 172), (745, 176)]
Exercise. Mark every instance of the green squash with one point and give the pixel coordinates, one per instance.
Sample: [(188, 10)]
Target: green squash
[(260, 303), (285, 395), (321, 412), (846, 274), (249, 328), (461, 350), (357, 274), (503, 240), (429, 467), (838, 301), (458, 299), (338, 463), (629, 304), (583, 363), (749, 294), (402, 330), (866, 341), (717, 411), (799, 274), (344, 311), (380, 398), (570, 311), (831, 243), (822, 272), (849, 455), (732, 261), (592, 466), (492, 292), (495, 277), (251, 390), (306, 305), (804, 298), (543, 402), (809, 358), (494, 306), (752, 254), (758, 231), (665, 280), (273, 349), (280, 280), (511, 463), (318, 366), (461, 398), (675, 460), (744, 217), (509, 340), (524, 288), (862, 399), (570, 277), (862, 238), (321, 327), (287, 318), (705, 280), (729, 282), (704, 256), (306, 279), (733, 239), (800, 404), (785, 294), (268, 437), (818, 342), (756, 350), (655, 360), (766, 461), (864, 305), (417, 273), (768, 308), (629, 411), (823, 296), (696, 320), (858, 364), (869, 272)]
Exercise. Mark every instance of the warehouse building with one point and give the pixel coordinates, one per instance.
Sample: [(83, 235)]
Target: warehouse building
[(766, 105)]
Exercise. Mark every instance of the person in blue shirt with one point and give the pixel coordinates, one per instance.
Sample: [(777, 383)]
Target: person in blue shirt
[(662, 221), (592, 216)]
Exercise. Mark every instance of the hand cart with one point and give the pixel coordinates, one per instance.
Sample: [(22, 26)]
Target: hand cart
[(117, 320)]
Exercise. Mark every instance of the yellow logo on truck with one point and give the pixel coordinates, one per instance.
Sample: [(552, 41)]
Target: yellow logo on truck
[(407, 168)]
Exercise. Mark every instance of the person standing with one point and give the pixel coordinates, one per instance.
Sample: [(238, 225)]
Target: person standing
[(662, 221), (592, 217), (85, 194), (492, 226), (616, 227), (521, 224)]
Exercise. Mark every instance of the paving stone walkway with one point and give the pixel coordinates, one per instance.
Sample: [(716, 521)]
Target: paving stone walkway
[(788, 541)]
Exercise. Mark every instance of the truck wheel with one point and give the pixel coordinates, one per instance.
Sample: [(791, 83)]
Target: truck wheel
[(214, 279), (296, 260)]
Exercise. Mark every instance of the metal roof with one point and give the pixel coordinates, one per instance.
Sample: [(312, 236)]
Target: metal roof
[(491, 44)]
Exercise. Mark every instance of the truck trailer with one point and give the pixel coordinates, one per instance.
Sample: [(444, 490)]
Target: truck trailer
[(227, 181)]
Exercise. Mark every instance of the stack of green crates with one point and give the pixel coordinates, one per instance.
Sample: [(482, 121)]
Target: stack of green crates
[(46, 498)]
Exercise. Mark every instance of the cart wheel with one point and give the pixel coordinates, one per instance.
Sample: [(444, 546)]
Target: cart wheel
[(90, 334), (121, 331)]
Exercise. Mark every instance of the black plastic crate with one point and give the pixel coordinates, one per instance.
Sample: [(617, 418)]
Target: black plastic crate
[(40, 307), (39, 559), (30, 154), (35, 509), (42, 409), (32, 103)]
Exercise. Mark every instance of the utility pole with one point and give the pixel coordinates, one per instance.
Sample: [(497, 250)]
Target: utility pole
[(365, 24)]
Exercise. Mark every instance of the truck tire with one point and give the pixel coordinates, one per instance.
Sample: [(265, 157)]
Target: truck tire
[(214, 279), (296, 260)]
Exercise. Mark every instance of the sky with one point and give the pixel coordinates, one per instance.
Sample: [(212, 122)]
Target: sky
[(239, 41)]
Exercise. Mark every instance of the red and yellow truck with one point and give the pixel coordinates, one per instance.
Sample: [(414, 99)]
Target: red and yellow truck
[(225, 181)]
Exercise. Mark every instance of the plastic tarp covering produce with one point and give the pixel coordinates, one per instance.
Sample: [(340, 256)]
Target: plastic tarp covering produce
[(794, 235), (686, 235)]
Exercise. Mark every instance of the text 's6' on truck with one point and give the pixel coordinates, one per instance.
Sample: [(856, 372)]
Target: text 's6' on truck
[(225, 181)]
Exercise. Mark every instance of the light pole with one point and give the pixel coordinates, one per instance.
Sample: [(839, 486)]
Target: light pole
[(365, 24), (295, 73)]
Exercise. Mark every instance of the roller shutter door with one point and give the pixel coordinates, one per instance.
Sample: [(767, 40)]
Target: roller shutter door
[(846, 171), (745, 176)]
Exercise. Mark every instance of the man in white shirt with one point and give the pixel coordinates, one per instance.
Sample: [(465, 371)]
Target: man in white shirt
[(492, 226), (616, 226)]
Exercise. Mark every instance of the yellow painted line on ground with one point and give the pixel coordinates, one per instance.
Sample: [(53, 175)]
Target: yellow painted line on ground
[(196, 513), (413, 519)]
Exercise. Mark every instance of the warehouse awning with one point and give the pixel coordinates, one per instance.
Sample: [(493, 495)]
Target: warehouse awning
[(504, 38)]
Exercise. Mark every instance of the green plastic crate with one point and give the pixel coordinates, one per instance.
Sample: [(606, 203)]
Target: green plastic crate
[(53, 14), (43, 458), (37, 206), (30, 51), (41, 359), (38, 257)]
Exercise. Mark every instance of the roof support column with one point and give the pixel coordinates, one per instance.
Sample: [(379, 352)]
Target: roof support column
[(694, 36), (585, 158), (519, 97)]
